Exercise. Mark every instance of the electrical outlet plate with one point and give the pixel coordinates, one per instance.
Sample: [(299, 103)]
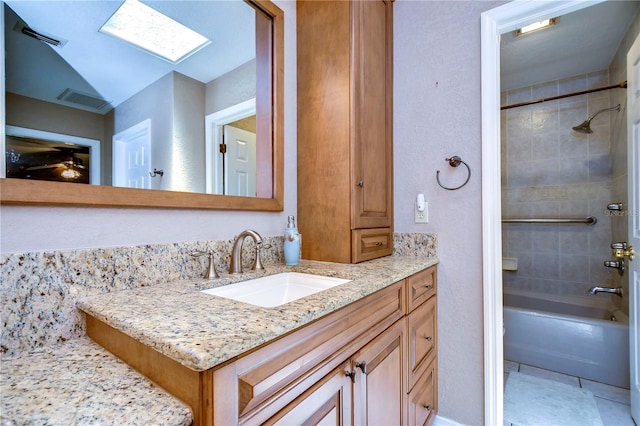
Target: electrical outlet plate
[(422, 216)]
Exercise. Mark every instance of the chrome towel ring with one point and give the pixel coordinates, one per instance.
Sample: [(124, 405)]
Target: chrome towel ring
[(454, 162)]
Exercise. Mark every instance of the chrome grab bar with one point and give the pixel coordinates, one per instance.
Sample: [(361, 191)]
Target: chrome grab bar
[(589, 220)]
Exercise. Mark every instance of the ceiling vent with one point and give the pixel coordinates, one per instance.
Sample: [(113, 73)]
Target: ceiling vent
[(21, 27), (86, 100)]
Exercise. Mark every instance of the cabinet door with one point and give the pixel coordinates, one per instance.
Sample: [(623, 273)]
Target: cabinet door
[(326, 403), (379, 397), (372, 65)]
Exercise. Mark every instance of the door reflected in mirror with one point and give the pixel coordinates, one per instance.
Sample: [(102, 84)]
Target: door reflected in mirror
[(202, 124)]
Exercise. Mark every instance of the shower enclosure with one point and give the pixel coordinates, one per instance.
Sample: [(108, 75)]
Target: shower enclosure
[(558, 177)]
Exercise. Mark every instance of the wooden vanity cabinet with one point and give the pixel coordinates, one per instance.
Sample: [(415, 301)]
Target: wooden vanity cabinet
[(373, 361), (345, 132)]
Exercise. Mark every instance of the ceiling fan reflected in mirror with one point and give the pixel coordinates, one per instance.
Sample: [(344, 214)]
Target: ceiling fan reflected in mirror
[(45, 160)]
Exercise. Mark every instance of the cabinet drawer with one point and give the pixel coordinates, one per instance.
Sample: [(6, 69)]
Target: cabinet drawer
[(423, 398), (256, 386), (422, 339), (367, 244), (421, 286)]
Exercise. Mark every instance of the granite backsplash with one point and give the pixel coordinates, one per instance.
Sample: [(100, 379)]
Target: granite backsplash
[(39, 290)]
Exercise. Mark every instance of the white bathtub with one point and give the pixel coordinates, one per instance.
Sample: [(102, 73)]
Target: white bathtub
[(566, 337)]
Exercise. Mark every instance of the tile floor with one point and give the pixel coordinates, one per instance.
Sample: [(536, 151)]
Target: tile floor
[(612, 402)]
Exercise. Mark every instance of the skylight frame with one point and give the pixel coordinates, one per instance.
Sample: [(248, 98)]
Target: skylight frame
[(153, 32)]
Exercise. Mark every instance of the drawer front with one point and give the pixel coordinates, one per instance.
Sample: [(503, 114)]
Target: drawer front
[(367, 244), (423, 398), (255, 386), (421, 286), (422, 341)]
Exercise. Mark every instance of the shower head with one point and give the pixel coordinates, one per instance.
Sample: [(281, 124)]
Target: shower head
[(585, 126)]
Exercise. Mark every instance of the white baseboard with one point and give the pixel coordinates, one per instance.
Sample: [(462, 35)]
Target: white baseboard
[(443, 421)]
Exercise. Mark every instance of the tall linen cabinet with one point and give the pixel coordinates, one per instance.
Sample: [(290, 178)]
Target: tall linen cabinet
[(345, 131)]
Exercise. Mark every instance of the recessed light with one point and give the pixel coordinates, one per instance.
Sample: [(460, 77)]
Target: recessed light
[(148, 29), (536, 26)]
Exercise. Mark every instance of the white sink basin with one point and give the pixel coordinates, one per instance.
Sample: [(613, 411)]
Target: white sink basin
[(276, 290)]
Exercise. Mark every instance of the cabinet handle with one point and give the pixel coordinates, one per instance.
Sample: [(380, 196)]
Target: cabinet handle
[(428, 338), (428, 286), (351, 375), (362, 366), (379, 243), (360, 183), (428, 407)]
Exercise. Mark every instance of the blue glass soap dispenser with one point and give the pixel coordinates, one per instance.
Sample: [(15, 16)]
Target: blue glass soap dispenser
[(291, 243)]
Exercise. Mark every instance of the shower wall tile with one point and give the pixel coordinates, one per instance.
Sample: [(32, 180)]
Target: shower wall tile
[(598, 79), (573, 84), (571, 268), (519, 95), (546, 240), (546, 146), (552, 171), (545, 90)]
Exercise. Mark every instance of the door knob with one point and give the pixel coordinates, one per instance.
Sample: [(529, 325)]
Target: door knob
[(621, 250)]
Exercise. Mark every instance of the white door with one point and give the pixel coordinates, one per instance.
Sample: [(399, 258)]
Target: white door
[(633, 210), (240, 176), (131, 156)]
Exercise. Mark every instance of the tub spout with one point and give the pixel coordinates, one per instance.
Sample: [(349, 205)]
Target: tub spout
[(617, 291)]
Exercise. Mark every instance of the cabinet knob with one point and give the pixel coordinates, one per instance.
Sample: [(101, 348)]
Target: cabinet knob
[(379, 243), (362, 366), (428, 338), (351, 375), (428, 407), (360, 183), (428, 286)]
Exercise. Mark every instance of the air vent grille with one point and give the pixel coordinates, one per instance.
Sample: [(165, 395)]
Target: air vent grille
[(70, 95)]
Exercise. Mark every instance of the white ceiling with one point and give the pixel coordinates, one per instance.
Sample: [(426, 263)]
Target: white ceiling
[(97, 64), (582, 42)]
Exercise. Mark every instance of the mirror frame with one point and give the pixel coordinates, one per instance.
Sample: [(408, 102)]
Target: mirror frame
[(36, 192)]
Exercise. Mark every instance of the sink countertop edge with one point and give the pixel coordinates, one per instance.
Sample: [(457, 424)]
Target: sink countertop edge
[(201, 331)]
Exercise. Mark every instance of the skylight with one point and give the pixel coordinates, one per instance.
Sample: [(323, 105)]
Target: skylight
[(145, 27)]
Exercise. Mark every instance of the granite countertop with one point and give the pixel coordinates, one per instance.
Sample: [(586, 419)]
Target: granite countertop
[(79, 382), (201, 331)]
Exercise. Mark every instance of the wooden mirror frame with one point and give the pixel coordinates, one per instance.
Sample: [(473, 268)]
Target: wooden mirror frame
[(37, 192)]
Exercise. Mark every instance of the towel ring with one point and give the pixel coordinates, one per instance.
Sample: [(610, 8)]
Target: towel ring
[(454, 162)]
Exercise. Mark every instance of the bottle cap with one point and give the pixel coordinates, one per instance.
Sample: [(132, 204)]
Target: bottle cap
[(291, 222)]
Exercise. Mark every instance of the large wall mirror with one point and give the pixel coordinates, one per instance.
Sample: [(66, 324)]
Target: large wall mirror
[(93, 117)]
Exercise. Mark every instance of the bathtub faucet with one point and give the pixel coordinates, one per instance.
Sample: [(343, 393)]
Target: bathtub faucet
[(617, 291)]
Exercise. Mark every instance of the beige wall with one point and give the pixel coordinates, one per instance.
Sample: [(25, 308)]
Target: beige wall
[(437, 114)]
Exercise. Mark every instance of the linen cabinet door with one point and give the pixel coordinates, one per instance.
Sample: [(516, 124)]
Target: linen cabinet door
[(372, 140), (329, 402), (379, 397)]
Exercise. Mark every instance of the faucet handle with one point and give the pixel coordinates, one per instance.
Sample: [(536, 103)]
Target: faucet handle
[(211, 269), (257, 265)]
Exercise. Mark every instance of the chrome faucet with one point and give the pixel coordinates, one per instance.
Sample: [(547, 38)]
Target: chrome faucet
[(235, 266), (615, 264), (617, 291)]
